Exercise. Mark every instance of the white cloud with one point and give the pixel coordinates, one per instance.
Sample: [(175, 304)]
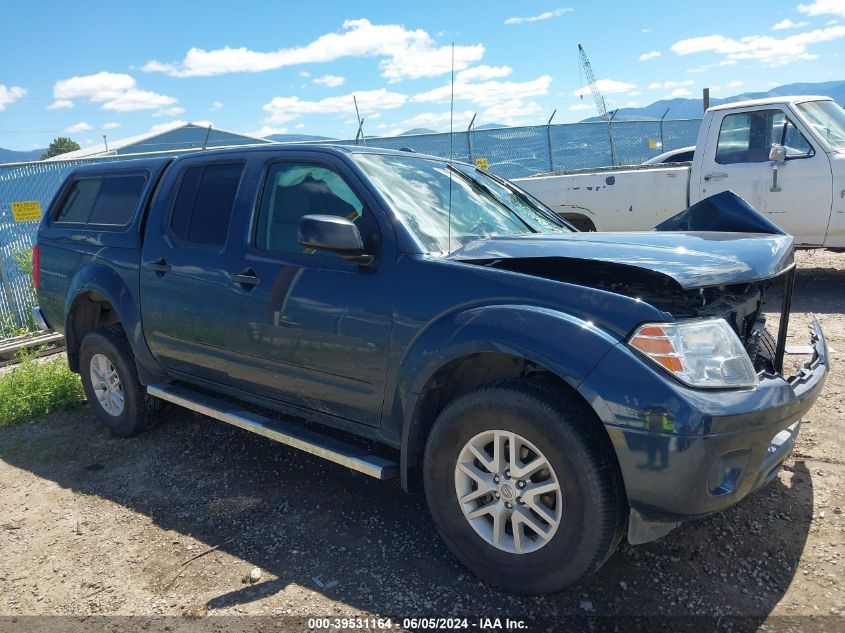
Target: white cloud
[(331, 81), (60, 104), (705, 67), (649, 56), (304, 73), (670, 84), (82, 126), (786, 23), (174, 111), (502, 101), (116, 91), (512, 111), (407, 54), (111, 126), (9, 95), (486, 93), (769, 51), (831, 22), (679, 92), (215, 105), (645, 30), (581, 106), (285, 109), (483, 73), (607, 86), (733, 84), (546, 15), (300, 126), (823, 7), (438, 119), (268, 130)]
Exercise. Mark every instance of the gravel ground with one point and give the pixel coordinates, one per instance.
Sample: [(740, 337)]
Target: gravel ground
[(172, 523)]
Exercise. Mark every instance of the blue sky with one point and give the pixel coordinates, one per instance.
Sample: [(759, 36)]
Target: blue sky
[(83, 69)]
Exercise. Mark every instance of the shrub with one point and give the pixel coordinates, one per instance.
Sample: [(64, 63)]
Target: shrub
[(33, 389), (23, 258)]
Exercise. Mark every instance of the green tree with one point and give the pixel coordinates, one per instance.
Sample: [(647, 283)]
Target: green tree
[(60, 145)]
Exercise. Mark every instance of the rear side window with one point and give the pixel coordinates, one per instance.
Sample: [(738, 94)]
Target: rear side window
[(102, 200), (204, 203)]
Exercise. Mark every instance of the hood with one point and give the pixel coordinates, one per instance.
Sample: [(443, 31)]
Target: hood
[(692, 259)]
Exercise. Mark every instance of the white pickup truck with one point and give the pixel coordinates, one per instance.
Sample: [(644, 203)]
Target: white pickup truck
[(785, 156)]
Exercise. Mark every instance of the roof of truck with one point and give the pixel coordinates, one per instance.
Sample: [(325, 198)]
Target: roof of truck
[(769, 101)]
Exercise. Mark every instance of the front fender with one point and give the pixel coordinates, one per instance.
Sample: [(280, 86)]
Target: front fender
[(105, 282), (565, 345)]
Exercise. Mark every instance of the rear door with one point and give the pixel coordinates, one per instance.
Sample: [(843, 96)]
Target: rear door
[(187, 296), (315, 328), (737, 159)]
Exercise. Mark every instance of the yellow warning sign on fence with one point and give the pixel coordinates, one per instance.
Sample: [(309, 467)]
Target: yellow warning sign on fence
[(482, 163), (29, 211), (652, 144)]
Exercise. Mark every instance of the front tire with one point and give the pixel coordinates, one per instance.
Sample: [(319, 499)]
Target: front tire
[(110, 380), (523, 487)]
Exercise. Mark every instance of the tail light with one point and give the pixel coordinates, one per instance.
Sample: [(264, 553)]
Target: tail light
[(36, 266)]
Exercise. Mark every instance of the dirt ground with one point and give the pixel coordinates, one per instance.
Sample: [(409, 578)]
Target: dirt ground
[(171, 523)]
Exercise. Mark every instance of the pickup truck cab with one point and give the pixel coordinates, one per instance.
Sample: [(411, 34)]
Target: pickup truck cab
[(784, 155), (406, 316)]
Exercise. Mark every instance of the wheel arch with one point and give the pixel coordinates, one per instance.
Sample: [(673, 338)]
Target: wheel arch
[(99, 296), (437, 370)]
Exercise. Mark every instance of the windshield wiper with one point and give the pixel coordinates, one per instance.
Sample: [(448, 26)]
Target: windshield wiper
[(527, 199), (482, 187)]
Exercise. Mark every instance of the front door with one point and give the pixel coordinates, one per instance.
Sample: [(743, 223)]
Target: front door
[(799, 201), (316, 327)]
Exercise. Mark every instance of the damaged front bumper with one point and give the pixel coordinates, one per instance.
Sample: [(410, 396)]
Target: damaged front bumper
[(684, 452)]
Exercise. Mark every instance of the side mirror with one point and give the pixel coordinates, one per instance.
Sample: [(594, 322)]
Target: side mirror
[(333, 234), (777, 153)]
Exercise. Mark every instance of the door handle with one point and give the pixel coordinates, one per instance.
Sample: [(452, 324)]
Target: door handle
[(247, 278), (159, 266), (719, 176)]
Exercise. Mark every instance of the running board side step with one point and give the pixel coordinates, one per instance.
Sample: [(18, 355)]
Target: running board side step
[(328, 448)]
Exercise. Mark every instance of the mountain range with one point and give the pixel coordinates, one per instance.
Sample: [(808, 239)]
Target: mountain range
[(16, 156), (681, 108)]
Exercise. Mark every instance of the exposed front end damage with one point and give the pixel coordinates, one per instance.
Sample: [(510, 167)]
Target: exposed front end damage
[(686, 451)]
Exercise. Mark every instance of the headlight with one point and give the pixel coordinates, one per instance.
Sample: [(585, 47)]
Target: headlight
[(699, 353)]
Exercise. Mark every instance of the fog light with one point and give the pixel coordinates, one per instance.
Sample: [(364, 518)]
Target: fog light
[(726, 472)]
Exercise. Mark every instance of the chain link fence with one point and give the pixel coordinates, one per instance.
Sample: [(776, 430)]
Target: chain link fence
[(512, 152)]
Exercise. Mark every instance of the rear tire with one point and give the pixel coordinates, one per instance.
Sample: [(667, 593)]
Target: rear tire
[(580, 523), (110, 381)]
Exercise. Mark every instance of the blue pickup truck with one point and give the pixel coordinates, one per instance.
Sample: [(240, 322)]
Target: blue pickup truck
[(550, 391)]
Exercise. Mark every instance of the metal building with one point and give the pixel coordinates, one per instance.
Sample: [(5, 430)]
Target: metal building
[(178, 136)]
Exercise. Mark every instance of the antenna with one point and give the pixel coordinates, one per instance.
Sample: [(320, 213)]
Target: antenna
[(360, 133), (451, 151)]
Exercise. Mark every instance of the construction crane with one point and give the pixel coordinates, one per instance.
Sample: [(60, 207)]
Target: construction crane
[(601, 106)]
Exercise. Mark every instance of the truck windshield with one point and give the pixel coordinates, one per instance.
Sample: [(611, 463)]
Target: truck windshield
[(828, 120), (422, 190)]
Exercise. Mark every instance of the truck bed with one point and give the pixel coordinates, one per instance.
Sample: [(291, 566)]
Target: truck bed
[(630, 198)]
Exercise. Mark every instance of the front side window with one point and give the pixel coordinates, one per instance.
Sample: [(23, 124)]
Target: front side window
[(447, 206), (102, 200), (827, 119), (293, 190), (204, 203), (747, 137)]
